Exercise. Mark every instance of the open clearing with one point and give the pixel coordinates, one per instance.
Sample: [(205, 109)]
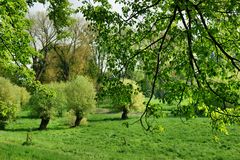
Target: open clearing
[(105, 137)]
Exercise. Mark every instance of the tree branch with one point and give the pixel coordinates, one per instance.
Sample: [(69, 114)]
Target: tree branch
[(10, 52), (142, 10), (232, 59), (189, 39), (157, 69)]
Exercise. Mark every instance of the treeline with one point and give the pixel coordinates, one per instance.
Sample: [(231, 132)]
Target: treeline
[(77, 96)]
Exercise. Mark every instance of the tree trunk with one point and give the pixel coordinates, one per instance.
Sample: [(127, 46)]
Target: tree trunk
[(2, 124), (124, 114), (78, 120), (44, 123)]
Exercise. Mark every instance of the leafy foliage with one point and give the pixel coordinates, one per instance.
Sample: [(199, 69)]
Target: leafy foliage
[(190, 47), (24, 96), (59, 100), (137, 98), (125, 97), (10, 100), (41, 103), (16, 52), (14, 43)]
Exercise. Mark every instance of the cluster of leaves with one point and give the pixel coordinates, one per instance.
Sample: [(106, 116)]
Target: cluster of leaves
[(59, 12), (14, 43)]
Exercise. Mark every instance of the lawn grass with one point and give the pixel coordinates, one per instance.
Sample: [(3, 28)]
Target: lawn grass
[(105, 137)]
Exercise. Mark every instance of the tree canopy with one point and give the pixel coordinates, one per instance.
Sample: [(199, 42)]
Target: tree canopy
[(190, 47), (16, 52)]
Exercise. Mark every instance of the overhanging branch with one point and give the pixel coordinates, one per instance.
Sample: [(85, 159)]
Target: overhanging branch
[(157, 70), (232, 59)]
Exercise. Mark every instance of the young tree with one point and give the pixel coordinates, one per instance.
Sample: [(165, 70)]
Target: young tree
[(191, 46), (47, 105), (81, 97)]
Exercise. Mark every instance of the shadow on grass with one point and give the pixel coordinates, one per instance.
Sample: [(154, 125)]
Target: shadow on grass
[(34, 129), (105, 119), (27, 117)]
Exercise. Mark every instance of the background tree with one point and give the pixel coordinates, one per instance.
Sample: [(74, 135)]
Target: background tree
[(44, 36), (175, 42), (16, 53), (124, 97), (81, 97), (64, 54), (73, 52)]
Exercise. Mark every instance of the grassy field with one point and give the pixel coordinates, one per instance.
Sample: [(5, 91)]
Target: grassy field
[(105, 137)]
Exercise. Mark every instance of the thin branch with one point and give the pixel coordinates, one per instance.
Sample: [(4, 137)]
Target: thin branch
[(142, 10), (227, 114), (6, 46), (232, 59), (189, 38), (157, 68), (218, 95)]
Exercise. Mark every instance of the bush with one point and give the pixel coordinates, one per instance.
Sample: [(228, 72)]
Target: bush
[(9, 101), (59, 100), (80, 97), (24, 96)]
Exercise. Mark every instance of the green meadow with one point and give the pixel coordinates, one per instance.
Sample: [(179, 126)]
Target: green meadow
[(105, 136)]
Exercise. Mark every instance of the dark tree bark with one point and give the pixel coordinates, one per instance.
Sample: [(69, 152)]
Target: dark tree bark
[(44, 123), (78, 120), (2, 124), (124, 113)]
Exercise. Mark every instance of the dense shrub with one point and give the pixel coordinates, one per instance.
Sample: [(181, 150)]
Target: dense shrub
[(80, 97), (59, 100), (9, 101), (24, 96)]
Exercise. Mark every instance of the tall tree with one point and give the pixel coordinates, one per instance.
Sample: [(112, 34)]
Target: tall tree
[(16, 51), (44, 36), (70, 55), (190, 45)]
